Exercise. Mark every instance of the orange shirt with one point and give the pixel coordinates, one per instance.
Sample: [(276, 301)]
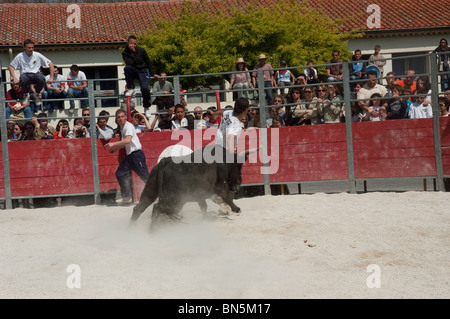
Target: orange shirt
[(402, 84)]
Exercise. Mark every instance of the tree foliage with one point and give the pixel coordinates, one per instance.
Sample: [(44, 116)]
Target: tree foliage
[(199, 42)]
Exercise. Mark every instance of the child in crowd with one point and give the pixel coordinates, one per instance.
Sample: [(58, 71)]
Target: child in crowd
[(283, 78), (12, 131), (376, 111), (62, 130), (396, 107), (420, 109), (79, 130), (43, 131), (140, 122), (28, 134), (311, 73), (277, 121), (443, 107), (103, 130)]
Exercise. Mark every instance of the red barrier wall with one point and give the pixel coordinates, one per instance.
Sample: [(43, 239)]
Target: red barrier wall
[(402, 148)]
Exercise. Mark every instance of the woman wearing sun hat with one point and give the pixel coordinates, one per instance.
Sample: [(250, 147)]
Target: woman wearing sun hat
[(241, 80)]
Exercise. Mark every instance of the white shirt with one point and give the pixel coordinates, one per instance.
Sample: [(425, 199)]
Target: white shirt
[(129, 130), (29, 64), (54, 84), (419, 111), (176, 124), (76, 80), (229, 125), (366, 92)]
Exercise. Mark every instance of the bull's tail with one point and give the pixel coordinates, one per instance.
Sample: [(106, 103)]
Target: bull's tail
[(149, 194)]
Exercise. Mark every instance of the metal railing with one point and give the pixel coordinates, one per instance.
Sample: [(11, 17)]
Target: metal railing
[(434, 74)]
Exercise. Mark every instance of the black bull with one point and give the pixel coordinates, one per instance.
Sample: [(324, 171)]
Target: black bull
[(192, 178)]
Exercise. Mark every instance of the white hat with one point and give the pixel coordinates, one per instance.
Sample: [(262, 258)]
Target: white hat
[(262, 57), (240, 60)]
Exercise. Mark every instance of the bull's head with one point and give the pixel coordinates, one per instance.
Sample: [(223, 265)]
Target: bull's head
[(235, 172)]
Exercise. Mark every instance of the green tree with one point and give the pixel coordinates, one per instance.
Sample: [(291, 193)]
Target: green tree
[(208, 37)]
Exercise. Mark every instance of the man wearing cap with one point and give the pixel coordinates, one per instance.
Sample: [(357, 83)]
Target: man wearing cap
[(283, 78), (268, 77)]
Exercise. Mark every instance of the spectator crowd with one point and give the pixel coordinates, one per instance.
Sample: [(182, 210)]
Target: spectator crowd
[(310, 98)]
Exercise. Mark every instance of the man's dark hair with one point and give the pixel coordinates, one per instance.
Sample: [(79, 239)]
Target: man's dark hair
[(27, 41), (422, 91), (63, 122), (41, 115), (180, 106), (74, 67), (372, 72), (131, 37), (240, 105)]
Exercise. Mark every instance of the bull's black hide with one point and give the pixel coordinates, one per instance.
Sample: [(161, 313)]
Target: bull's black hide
[(191, 178)]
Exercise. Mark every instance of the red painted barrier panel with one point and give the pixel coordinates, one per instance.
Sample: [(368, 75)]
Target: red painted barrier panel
[(444, 123), (400, 148)]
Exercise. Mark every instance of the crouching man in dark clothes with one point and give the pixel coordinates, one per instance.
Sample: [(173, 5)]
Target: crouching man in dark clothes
[(138, 65), (134, 159)]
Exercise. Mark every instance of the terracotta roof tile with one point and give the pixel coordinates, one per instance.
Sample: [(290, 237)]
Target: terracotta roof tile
[(109, 23)]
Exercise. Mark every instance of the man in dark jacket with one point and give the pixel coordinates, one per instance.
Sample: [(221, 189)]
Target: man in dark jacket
[(137, 65)]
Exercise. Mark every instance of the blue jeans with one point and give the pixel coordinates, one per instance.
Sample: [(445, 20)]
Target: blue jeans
[(54, 105), (267, 84), (445, 79), (142, 75), (132, 162), (71, 93), (26, 111)]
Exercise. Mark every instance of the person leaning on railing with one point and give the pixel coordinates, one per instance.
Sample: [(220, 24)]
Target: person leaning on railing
[(43, 131), (443, 60), (241, 80), (368, 89)]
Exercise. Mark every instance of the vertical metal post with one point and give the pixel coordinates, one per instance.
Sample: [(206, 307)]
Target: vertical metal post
[(348, 129), (93, 133), (5, 153), (176, 89), (263, 132), (436, 126)]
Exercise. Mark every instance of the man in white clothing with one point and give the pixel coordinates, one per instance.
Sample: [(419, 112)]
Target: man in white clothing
[(134, 159), (77, 82), (227, 136), (370, 88), (230, 127), (29, 63)]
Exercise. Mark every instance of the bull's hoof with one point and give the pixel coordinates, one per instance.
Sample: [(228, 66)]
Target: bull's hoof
[(236, 210)]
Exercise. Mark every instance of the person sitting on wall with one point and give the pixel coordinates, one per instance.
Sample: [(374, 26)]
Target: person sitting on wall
[(16, 107), (77, 82)]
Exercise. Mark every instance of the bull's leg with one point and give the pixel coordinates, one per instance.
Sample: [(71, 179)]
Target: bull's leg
[(203, 206), (149, 194), (140, 208), (227, 197), (155, 214)]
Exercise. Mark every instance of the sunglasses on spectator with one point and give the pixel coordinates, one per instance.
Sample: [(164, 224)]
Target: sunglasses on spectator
[(308, 91), (321, 90)]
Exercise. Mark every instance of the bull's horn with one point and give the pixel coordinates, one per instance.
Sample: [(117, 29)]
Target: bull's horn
[(247, 152)]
